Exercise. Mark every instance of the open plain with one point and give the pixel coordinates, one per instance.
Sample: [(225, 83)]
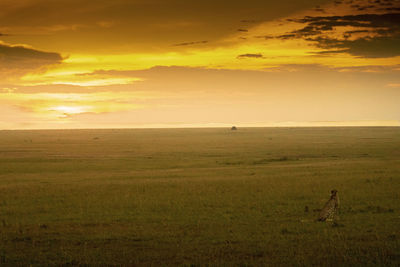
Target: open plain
[(199, 197)]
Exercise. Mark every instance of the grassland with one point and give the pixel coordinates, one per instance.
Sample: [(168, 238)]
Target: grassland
[(199, 197)]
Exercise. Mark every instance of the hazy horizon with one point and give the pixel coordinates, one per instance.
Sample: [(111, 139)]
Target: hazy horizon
[(227, 125)]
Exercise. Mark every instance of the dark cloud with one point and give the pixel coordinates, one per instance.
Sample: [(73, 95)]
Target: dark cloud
[(191, 43), (330, 52), (362, 8), (266, 37), (18, 60), (242, 30), (286, 36), (357, 31), (379, 47), (389, 21), (349, 34), (392, 9), (16, 53), (381, 34), (319, 9), (386, 3), (249, 21), (250, 56)]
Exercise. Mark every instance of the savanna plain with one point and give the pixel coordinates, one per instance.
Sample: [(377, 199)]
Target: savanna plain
[(196, 197)]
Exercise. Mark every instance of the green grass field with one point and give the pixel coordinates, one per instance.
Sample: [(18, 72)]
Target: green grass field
[(199, 197)]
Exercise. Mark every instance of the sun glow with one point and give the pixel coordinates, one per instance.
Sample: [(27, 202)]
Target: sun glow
[(70, 109)]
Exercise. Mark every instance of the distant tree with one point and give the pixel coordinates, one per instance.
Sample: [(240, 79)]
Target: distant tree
[(233, 128)]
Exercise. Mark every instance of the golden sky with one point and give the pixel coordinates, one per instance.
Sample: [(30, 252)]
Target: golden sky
[(176, 63)]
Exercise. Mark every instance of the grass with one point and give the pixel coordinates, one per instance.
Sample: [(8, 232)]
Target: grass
[(199, 197)]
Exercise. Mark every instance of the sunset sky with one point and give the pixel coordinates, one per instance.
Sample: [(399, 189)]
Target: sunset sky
[(176, 63)]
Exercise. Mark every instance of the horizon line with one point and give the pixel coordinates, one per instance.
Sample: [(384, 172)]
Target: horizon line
[(288, 124)]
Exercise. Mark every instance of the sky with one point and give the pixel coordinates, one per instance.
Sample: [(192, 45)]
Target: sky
[(175, 63)]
